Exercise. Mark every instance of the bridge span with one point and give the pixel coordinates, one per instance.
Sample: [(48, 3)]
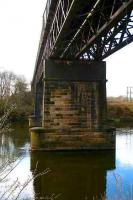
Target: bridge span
[(69, 81)]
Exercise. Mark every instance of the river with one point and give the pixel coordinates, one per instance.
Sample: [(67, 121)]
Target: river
[(65, 175)]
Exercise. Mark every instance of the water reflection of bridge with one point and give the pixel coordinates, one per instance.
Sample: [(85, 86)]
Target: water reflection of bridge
[(73, 175), (69, 80)]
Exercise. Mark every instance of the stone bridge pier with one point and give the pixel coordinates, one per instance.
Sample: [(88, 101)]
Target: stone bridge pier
[(71, 101), (36, 119)]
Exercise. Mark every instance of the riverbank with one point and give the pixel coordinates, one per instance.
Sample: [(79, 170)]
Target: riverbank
[(17, 107), (120, 113)]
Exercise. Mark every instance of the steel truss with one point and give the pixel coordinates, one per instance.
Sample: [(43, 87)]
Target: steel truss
[(116, 38), (60, 17), (106, 28), (88, 30)]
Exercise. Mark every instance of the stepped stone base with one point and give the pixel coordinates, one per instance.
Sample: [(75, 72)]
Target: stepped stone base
[(42, 139)]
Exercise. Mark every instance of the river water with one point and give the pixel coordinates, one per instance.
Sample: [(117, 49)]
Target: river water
[(65, 175)]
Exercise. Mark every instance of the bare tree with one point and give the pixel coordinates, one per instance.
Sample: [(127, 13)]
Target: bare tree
[(7, 82), (11, 83), (20, 85)]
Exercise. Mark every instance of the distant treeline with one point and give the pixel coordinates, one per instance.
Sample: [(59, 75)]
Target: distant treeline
[(14, 92)]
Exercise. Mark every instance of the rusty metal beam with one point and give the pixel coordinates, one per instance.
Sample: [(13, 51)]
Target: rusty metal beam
[(106, 27)]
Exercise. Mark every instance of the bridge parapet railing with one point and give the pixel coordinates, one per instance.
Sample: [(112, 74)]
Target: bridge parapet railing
[(44, 23), (45, 17), (46, 11)]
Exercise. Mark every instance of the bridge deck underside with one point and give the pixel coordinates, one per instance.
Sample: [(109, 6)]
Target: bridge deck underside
[(88, 30), (92, 30)]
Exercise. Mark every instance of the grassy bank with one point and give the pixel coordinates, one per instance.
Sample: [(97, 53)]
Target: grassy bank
[(120, 113)]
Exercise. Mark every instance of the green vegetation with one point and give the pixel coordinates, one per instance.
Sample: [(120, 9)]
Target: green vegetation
[(120, 112), (14, 92)]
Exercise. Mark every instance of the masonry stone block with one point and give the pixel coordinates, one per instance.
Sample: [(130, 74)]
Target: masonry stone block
[(74, 106)]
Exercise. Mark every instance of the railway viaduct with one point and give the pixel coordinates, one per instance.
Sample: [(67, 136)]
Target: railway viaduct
[(69, 81)]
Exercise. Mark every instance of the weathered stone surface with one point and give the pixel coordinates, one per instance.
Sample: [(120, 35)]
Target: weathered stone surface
[(43, 140), (79, 107), (35, 121), (74, 108)]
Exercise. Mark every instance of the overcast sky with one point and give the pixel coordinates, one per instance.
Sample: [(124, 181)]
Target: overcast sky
[(20, 28)]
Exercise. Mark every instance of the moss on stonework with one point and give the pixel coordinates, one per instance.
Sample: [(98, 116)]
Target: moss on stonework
[(42, 130)]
